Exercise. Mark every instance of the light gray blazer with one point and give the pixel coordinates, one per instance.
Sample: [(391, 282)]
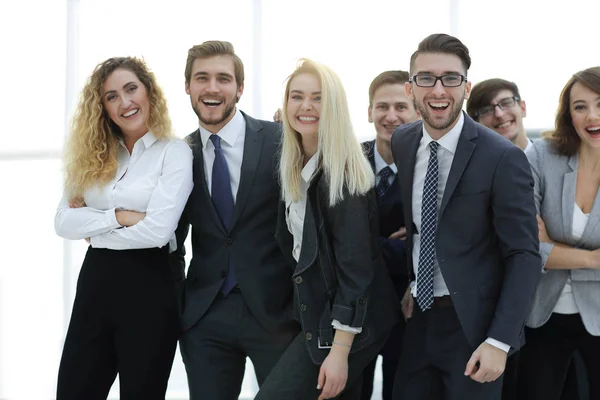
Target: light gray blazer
[(555, 180)]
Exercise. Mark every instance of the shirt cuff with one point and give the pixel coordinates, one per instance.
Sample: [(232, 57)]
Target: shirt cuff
[(338, 326), (502, 346)]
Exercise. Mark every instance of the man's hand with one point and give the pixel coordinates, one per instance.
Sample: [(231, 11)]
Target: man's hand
[(400, 234), (129, 218), (492, 362), (333, 374), (407, 304), (277, 116)]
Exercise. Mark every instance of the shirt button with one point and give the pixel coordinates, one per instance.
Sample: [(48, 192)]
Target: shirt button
[(308, 336), (298, 280), (303, 307), (229, 240)]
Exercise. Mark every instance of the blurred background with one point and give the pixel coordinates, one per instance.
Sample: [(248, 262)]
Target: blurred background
[(49, 48)]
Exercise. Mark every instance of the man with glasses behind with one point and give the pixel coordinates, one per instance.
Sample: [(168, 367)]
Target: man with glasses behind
[(497, 104), (472, 232)]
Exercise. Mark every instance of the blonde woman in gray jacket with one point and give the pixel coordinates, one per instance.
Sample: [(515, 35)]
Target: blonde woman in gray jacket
[(565, 315)]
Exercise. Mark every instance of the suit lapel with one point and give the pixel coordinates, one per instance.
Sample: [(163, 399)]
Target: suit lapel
[(464, 150), (200, 177), (252, 149), (568, 196), (407, 171)]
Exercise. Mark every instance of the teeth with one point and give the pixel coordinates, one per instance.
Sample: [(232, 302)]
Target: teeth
[(211, 101), (130, 113), (594, 129), (307, 119), (440, 105), (504, 125)]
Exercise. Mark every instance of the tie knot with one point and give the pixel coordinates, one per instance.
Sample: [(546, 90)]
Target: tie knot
[(385, 173), (433, 145), (217, 140)]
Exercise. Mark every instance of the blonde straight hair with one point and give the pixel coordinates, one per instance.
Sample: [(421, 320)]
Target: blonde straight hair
[(341, 157)]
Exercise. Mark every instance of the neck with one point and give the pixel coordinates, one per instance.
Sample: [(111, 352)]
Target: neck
[(385, 151), (589, 159), (310, 145), (521, 141), (437, 134)]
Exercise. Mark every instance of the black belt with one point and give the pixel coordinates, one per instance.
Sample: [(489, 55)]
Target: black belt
[(442, 302)]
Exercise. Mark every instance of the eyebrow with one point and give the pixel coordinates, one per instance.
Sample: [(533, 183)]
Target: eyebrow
[(302, 92), (114, 91), (203, 73), (443, 73), (583, 101)]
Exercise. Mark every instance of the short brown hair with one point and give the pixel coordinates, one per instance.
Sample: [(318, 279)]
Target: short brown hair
[(564, 138), (213, 48), (483, 93), (386, 78), (442, 43)]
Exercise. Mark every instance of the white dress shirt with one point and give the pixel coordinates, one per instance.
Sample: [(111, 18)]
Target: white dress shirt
[(233, 136), (381, 164), (294, 216), (445, 154), (156, 179), (566, 302)]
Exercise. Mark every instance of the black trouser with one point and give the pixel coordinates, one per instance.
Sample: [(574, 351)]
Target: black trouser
[(215, 349), (295, 375), (548, 352), (434, 358), (124, 321)]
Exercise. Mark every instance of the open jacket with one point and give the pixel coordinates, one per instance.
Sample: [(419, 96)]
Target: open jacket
[(340, 273)]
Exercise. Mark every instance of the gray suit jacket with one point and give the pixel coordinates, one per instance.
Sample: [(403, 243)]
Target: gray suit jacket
[(555, 181)]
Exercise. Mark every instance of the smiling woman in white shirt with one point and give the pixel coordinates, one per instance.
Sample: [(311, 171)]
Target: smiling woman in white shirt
[(328, 229), (127, 182)]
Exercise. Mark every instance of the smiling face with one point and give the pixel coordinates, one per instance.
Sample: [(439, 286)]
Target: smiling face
[(303, 106), (391, 108), (507, 122), (439, 106), (585, 114), (125, 100), (214, 91)]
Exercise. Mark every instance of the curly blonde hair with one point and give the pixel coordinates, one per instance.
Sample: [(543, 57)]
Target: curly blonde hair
[(90, 155)]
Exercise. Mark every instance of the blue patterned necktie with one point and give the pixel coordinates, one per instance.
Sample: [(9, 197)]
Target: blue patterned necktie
[(223, 200), (384, 180), (428, 230)]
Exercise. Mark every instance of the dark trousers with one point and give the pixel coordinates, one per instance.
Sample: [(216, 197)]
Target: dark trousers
[(124, 321), (548, 352), (214, 350), (388, 368), (434, 358), (295, 375)]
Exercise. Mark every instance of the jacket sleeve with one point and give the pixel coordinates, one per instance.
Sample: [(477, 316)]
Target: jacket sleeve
[(354, 251)]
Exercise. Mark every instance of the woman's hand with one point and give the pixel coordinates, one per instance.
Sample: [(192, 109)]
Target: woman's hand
[(129, 218), (333, 374), (542, 233)]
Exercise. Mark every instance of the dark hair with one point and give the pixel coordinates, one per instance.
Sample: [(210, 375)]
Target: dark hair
[(386, 78), (483, 93), (564, 138), (442, 43), (213, 48)]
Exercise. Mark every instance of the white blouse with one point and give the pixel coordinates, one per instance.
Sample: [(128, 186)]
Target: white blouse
[(156, 179)]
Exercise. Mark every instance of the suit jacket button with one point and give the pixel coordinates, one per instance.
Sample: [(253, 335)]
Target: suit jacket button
[(229, 240), (308, 336), (298, 280), (223, 274), (361, 300), (303, 307)]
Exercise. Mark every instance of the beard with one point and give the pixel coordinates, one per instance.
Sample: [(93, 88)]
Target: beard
[(205, 119), (436, 123)]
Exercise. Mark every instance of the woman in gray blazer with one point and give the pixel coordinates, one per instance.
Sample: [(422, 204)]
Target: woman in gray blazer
[(565, 314)]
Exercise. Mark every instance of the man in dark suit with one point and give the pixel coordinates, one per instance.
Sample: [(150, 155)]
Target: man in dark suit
[(238, 291), (389, 107), (472, 233)]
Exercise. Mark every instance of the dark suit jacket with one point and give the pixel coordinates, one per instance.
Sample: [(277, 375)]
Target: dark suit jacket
[(487, 238), (262, 273), (340, 273)]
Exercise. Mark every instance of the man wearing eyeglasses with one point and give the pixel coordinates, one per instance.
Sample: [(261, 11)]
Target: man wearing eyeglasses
[(497, 104), (472, 233)]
